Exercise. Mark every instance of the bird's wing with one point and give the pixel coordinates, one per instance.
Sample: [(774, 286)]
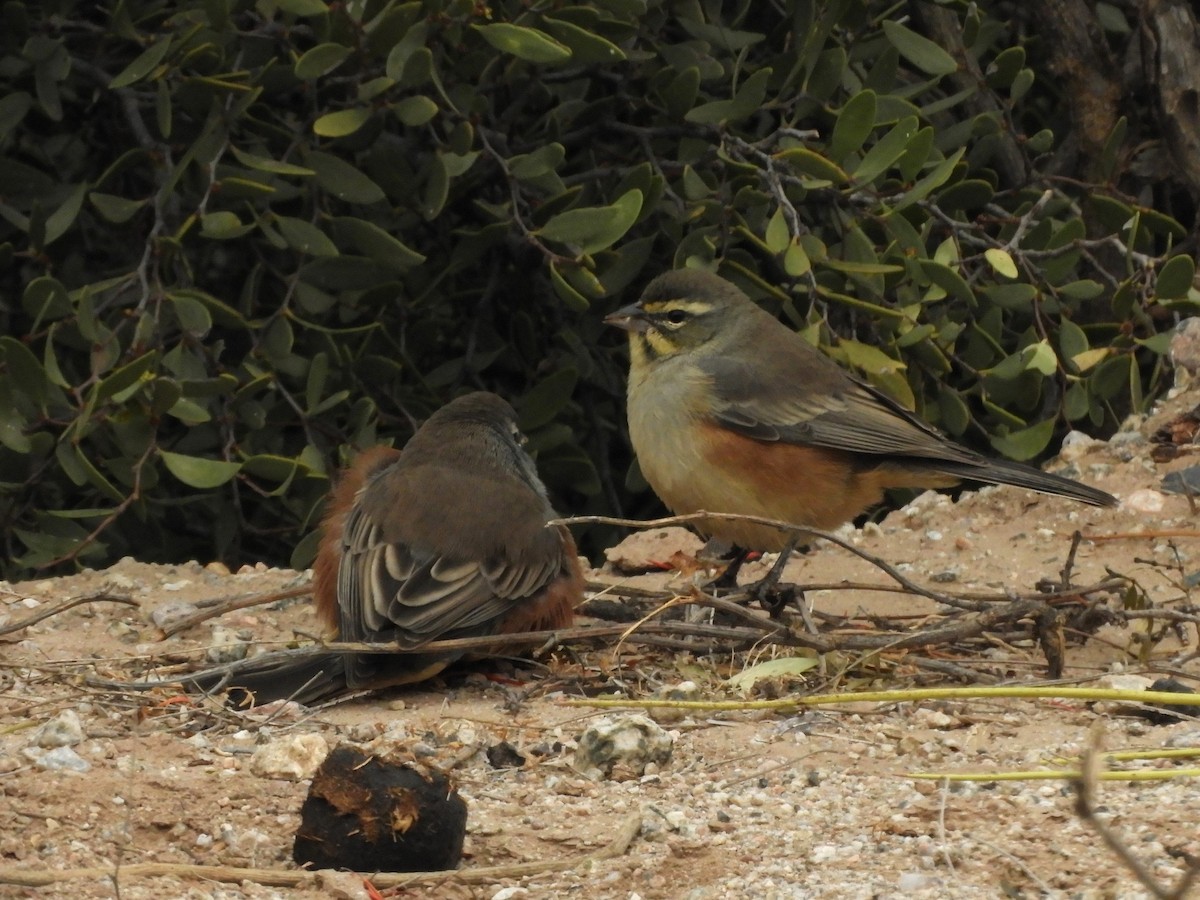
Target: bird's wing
[(415, 572), (818, 404)]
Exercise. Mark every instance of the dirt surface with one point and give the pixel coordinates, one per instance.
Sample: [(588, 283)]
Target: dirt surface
[(750, 804)]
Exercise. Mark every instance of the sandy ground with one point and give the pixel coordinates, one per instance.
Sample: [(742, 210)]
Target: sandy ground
[(750, 804)]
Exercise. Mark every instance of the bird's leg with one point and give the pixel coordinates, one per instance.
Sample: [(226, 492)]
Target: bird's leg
[(767, 592), (728, 579)]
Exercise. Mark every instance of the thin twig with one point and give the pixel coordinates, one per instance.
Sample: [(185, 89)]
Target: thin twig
[(242, 601), (1085, 808), (100, 596), (618, 846), (702, 515)]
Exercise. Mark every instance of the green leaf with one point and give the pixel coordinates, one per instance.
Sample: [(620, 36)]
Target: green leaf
[(884, 154), (812, 163), (1040, 357), (594, 228), (193, 315), (112, 208), (343, 180), (587, 48), (13, 107), (142, 65), (1002, 70), (777, 235), (12, 432), (948, 280), (341, 123), (1026, 443), (59, 221), (223, 226), (1089, 358), (853, 124), (415, 111), (938, 176), (868, 359), (127, 376), (266, 164), (197, 472), (376, 243), (795, 259), (783, 667), (541, 161), (524, 43), (305, 237), (720, 35), (1175, 277), (571, 298), (1001, 261), (747, 101), (920, 51), (545, 400), (303, 7), (320, 60)]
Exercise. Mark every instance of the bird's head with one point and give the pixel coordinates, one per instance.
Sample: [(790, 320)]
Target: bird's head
[(680, 312)]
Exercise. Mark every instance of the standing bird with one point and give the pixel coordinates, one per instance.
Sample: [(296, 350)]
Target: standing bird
[(446, 538), (731, 411)]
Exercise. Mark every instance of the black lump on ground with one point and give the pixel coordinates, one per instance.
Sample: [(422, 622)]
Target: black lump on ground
[(368, 814)]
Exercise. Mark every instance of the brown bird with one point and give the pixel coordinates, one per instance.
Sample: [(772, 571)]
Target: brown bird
[(446, 538), (731, 411)]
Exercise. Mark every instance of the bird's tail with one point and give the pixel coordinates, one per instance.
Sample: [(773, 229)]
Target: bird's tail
[(1003, 471), (305, 677)]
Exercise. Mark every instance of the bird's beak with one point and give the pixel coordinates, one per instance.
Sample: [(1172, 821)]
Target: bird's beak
[(629, 318)]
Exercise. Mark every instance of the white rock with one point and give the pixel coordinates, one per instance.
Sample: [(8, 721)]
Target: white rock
[(64, 730), (292, 758), (622, 746), (1144, 500), (342, 886), (167, 614), (59, 759)]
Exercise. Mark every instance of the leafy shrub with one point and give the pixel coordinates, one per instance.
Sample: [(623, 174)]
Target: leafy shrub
[(241, 238)]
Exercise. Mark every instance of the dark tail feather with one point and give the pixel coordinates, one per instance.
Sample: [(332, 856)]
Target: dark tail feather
[(309, 678), (1003, 471)]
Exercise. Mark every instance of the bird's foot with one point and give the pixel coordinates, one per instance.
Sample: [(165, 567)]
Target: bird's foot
[(774, 597)]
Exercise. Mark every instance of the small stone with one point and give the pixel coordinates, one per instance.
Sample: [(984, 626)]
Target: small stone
[(653, 550), (1076, 445), (167, 614), (61, 759), (342, 885), (292, 758), (64, 730), (917, 881), (620, 747), (217, 568), (226, 646), (1184, 349), (1144, 500)]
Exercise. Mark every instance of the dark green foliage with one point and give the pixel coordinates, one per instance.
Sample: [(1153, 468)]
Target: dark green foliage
[(239, 239)]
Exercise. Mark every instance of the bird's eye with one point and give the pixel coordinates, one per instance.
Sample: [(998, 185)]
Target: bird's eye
[(676, 317)]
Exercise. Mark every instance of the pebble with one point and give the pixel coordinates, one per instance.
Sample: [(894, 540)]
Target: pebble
[(292, 758), (64, 730), (227, 646), (1144, 500), (622, 746), (167, 614), (59, 759)]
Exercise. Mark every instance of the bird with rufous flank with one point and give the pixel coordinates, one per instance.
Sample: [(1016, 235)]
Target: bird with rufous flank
[(447, 538), (731, 411)]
